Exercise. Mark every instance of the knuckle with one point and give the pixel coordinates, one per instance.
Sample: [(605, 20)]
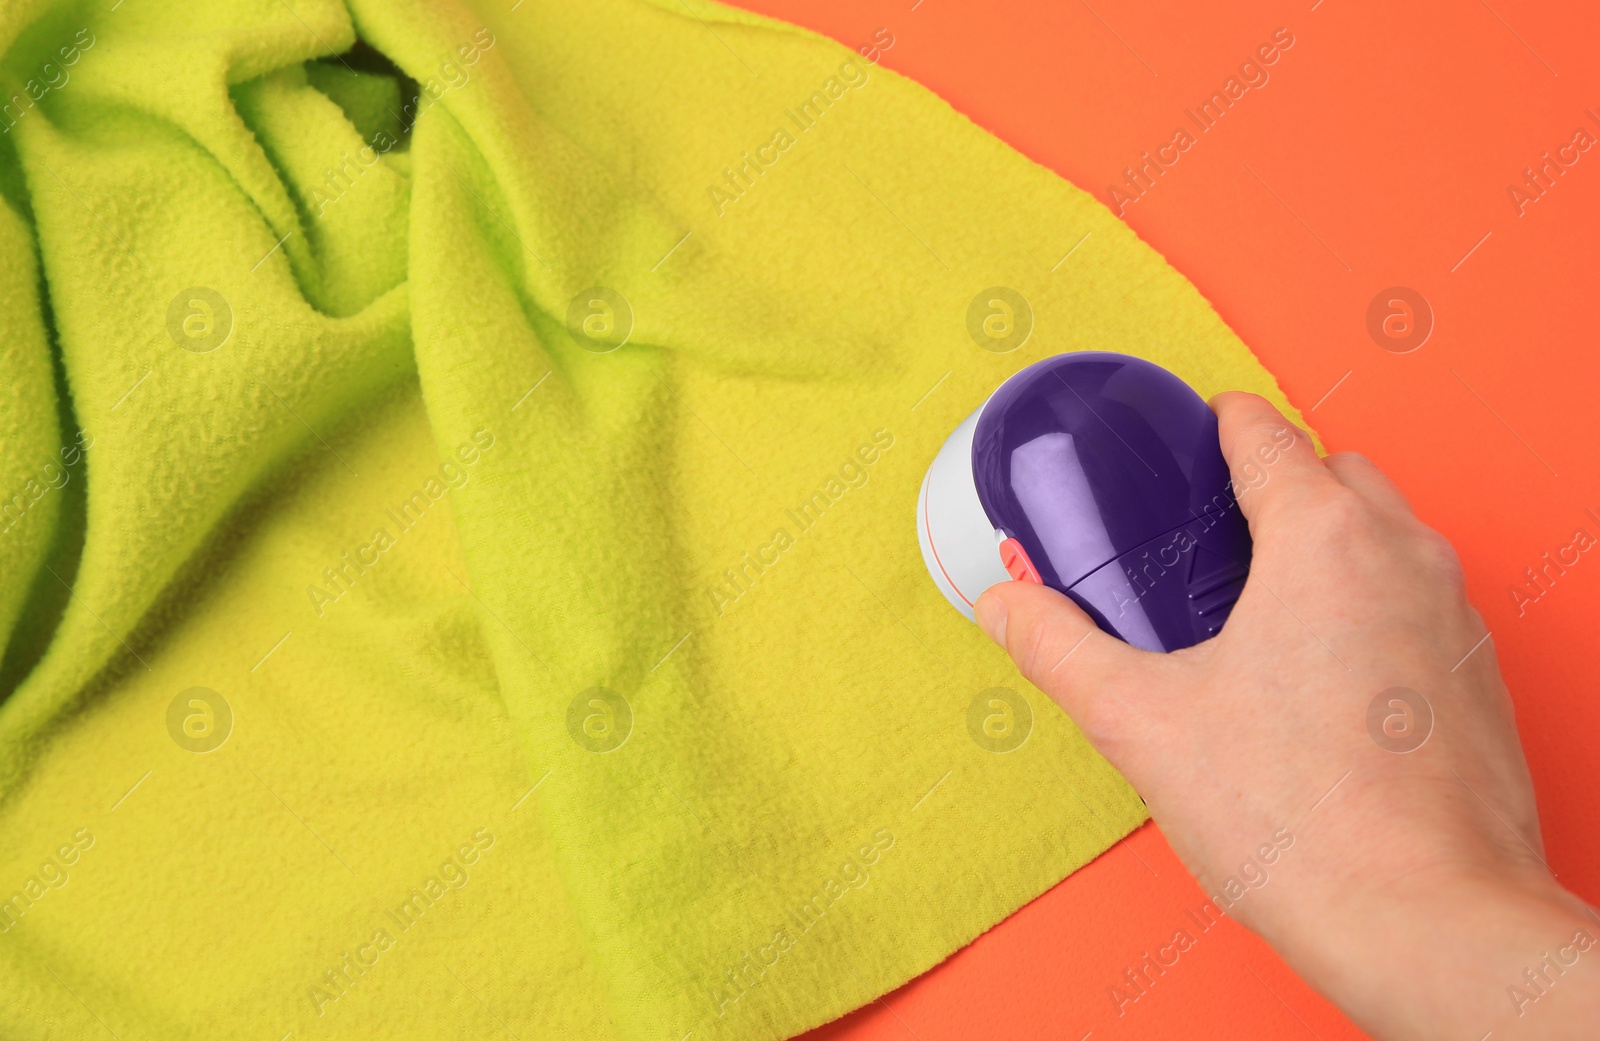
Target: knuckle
[(1350, 459), (1333, 523), (1268, 427), (1340, 514), (1440, 557), (1028, 643), (1261, 445)]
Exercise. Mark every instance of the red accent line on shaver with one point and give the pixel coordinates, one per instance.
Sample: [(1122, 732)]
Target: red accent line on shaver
[(929, 528)]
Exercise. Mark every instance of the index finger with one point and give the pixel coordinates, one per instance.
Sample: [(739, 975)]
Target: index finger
[(1273, 462)]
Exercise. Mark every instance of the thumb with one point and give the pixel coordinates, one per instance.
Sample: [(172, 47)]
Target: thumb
[(1059, 649)]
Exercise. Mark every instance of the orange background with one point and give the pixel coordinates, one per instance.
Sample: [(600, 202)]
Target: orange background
[(1379, 154)]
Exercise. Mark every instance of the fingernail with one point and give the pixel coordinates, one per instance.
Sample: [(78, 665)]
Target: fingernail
[(991, 612)]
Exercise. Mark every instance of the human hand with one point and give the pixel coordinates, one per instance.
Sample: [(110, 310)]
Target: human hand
[(1407, 882)]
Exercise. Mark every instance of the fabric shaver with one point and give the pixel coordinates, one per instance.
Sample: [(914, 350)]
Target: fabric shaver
[(1101, 476)]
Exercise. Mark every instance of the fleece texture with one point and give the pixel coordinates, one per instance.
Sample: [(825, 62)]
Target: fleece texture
[(458, 573)]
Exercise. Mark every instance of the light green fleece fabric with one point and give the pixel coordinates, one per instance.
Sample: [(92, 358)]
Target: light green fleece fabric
[(458, 574)]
